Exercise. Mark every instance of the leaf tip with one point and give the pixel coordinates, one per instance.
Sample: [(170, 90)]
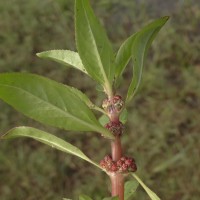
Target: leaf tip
[(166, 18), (38, 55)]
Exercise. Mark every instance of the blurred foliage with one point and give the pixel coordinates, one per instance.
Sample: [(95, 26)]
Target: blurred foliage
[(163, 122)]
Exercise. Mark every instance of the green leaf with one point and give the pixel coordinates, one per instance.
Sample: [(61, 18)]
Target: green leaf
[(48, 139), (85, 99), (111, 198), (151, 194), (65, 57), (130, 188), (104, 119), (123, 55), (124, 116), (141, 42), (82, 97), (93, 45), (84, 197), (48, 102)]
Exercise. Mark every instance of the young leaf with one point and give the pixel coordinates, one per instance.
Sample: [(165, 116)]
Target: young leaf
[(48, 139), (141, 42), (151, 194), (48, 102), (84, 197), (129, 189), (65, 57), (124, 116), (104, 119), (93, 45)]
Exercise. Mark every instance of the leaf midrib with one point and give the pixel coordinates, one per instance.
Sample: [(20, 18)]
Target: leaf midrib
[(96, 49), (48, 103)]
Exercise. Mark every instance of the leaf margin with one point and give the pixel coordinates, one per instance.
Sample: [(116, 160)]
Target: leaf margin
[(62, 146), (64, 57), (151, 194)]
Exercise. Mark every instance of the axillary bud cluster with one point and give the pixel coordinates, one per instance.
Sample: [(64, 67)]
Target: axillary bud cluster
[(123, 165), (114, 104)]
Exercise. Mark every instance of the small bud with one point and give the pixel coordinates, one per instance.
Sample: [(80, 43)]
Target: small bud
[(116, 128), (119, 163), (118, 103), (112, 105), (103, 164), (133, 167), (108, 158), (124, 167), (114, 167), (123, 158)]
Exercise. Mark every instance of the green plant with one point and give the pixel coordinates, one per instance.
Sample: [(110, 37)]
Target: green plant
[(68, 108)]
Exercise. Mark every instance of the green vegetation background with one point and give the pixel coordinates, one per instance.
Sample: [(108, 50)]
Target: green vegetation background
[(163, 128)]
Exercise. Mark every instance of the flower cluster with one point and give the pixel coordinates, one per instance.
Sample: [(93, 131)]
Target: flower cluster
[(114, 104), (116, 128), (123, 165)]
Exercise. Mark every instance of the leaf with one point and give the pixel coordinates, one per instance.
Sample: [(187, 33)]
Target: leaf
[(141, 42), (84, 197), (124, 116), (48, 102), (123, 55), (48, 139), (82, 97), (111, 198), (93, 45), (129, 189), (85, 99), (65, 57), (103, 120), (151, 194)]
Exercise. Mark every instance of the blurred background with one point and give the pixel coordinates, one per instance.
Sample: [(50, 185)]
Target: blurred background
[(163, 129)]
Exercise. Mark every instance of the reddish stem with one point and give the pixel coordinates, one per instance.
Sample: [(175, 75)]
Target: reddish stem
[(116, 148), (117, 181)]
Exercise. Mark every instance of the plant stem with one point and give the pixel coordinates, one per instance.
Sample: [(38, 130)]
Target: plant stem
[(117, 181), (116, 148)]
